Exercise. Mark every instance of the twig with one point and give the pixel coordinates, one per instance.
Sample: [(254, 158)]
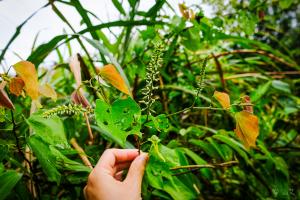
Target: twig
[(81, 153), (220, 71), (91, 136), (32, 187), (217, 165), (249, 51)]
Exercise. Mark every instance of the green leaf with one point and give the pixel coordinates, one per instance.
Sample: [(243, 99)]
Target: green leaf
[(199, 161), (284, 4), (207, 148), (238, 147), (191, 39), (42, 151), (159, 175), (8, 180), (152, 12), (51, 159), (3, 152), (247, 21), (118, 5), (50, 129), (281, 86), (38, 56), (118, 120), (161, 122), (260, 91)]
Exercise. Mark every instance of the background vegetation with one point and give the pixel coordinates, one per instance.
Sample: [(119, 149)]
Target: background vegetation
[(173, 86)]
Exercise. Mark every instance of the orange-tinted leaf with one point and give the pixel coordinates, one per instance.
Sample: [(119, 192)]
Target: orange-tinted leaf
[(4, 99), (247, 128), (16, 86), (223, 99), (47, 91), (27, 72), (76, 70), (110, 74)]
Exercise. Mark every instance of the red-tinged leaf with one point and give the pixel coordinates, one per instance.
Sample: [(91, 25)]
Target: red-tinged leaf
[(223, 99), (110, 74), (47, 91), (78, 98), (247, 128), (246, 99), (76, 70), (27, 72), (4, 99), (16, 86)]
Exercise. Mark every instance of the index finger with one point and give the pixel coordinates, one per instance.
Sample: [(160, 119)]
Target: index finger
[(111, 157)]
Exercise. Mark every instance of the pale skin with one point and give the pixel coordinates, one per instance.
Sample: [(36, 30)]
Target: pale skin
[(105, 182)]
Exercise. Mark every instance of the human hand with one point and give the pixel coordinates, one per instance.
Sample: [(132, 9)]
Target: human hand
[(105, 181)]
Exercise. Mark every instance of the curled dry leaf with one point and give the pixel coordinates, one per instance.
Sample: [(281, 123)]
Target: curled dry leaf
[(186, 12), (4, 99), (110, 74), (223, 99), (247, 128), (76, 70), (78, 98), (16, 86), (47, 91), (27, 72)]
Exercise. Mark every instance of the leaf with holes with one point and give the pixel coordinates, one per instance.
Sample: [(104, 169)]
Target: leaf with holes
[(118, 120), (247, 128), (110, 74), (16, 86), (223, 99), (27, 72)]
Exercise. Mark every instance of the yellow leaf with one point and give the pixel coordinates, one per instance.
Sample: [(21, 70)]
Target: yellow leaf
[(47, 91), (110, 74), (223, 99), (16, 86), (27, 72), (246, 128)]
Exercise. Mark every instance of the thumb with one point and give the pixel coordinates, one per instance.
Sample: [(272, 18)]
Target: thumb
[(136, 171)]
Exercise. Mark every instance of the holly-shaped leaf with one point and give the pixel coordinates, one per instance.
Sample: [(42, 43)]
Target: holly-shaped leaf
[(16, 86), (118, 120), (27, 72), (247, 128), (110, 74), (223, 99)]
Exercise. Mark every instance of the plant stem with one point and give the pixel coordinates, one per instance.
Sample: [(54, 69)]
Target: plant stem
[(217, 165), (81, 153)]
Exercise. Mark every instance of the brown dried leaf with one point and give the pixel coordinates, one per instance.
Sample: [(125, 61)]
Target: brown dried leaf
[(78, 98), (16, 86), (76, 70), (4, 99)]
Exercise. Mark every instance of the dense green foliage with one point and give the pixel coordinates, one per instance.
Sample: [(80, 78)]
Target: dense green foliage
[(173, 65)]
